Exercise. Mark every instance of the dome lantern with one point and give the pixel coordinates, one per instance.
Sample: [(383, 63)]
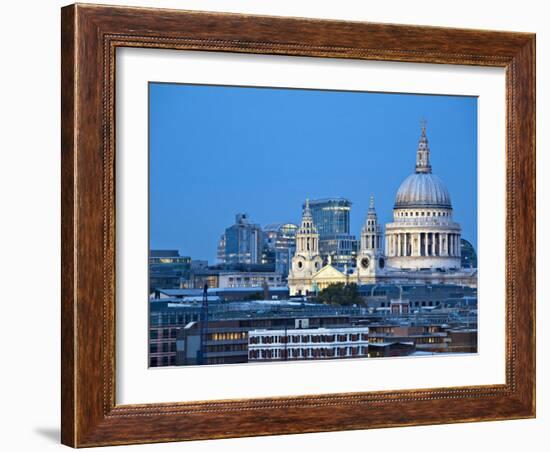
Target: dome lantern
[(423, 152), (422, 188)]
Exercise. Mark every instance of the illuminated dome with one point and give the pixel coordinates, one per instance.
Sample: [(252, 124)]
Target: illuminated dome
[(423, 234), (422, 190)]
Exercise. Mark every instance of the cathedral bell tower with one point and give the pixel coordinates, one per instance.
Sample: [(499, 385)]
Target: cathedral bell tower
[(307, 260), (370, 259)]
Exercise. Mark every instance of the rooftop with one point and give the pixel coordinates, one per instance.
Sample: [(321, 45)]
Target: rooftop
[(164, 253)]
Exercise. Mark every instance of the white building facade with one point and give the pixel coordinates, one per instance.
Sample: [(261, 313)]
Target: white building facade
[(423, 234), (307, 343), (249, 279)]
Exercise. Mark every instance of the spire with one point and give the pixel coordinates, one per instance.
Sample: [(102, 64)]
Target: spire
[(423, 152), (307, 211), (423, 124), (371, 215), (371, 203), (307, 226)]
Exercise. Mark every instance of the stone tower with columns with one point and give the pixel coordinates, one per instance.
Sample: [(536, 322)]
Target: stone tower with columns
[(370, 259), (371, 237), (306, 261)]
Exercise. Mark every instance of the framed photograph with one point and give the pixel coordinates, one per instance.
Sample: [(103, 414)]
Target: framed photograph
[(281, 225)]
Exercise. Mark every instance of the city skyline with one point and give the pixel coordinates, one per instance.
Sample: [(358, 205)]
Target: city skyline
[(234, 157)]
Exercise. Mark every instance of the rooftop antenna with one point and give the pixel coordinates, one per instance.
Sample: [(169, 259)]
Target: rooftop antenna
[(201, 354)]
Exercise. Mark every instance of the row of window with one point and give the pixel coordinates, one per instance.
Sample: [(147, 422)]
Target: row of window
[(418, 340), (232, 336), (163, 333), (254, 279), (163, 361), (305, 353), (382, 329), (342, 245), (166, 319), (416, 303), (227, 348), (429, 340), (314, 338), (424, 214), (164, 347), (376, 330)]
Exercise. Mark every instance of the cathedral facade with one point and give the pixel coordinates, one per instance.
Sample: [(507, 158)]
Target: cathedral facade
[(421, 244)]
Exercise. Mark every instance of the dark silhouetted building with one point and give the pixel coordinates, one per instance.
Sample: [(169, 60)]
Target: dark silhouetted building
[(167, 269), (468, 255)]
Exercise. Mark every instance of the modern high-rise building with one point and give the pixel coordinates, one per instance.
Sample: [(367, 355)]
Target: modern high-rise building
[(279, 245), (331, 217), (242, 242)]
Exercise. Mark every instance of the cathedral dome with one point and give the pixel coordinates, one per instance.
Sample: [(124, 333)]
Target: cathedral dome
[(422, 190)]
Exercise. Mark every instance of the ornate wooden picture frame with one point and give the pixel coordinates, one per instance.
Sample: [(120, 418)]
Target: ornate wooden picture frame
[(90, 37)]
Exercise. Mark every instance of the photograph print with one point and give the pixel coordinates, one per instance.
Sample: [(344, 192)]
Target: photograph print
[(304, 225)]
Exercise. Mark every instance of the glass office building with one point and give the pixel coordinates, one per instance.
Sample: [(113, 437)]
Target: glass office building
[(242, 242), (279, 246), (331, 217)]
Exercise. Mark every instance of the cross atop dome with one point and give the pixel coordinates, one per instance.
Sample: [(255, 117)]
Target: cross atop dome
[(423, 152)]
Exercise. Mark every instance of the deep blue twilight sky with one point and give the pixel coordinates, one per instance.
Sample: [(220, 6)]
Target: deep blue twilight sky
[(216, 151)]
